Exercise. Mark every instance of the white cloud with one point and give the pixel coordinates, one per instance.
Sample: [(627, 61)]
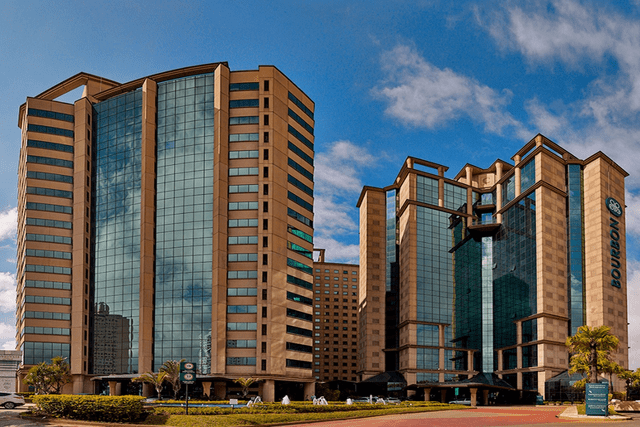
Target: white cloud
[(8, 223), (337, 186), (8, 345), (590, 37), (633, 295), (423, 95), (7, 292), (632, 213), (349, 254), (7, 331)]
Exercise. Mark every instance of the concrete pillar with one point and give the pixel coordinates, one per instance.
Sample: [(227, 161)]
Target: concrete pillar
[(470, 363), (485, 397), (441, 193), (78, 384), (206, 388), (411, 393), (443, 395), (498, 200), (309, 390), (441, 358), (147, 390), (539, 141), (474, 396), (500, 362), (427, 394), (112, 388), (269, 391), (469, 177), (220, 390)]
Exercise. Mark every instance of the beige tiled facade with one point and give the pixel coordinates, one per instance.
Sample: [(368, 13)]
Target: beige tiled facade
[(262, 131), (494, 272), (335, 318)]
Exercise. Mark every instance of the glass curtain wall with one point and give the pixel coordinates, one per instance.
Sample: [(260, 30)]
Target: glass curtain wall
[(575, 245), (514, 278), (184, 221), (115, 292)]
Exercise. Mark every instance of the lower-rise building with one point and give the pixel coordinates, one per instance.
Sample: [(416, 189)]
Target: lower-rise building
[(335, 317)]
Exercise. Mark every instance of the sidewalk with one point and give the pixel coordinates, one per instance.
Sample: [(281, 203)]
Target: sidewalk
[(571, 413)]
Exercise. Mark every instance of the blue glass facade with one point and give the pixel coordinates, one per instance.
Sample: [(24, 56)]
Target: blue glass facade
[(184, 221), (575, 244), (116, 180)]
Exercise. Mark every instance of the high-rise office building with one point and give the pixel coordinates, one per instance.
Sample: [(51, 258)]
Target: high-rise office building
[(335, 335), (168, 218), (491, 271)]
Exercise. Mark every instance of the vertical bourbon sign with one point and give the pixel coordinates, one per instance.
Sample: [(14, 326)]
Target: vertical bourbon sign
[(614, 233)]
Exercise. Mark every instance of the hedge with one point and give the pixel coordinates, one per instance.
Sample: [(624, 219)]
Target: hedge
[(293, 408), (110, 409)]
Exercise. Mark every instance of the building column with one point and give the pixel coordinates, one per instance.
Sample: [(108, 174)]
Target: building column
[(269, 391), (112, 388), (206, 388), (147, 226), (474, 396), (309, 390), (500, 363), (147, 390), (441, 358), (519, 354), (470, 363), (469, 176), (443, 395), (485, 397), (219, 390), (78, 384), (498, 200), (427, 394)]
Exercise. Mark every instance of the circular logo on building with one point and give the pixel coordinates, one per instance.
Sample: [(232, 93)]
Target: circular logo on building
[(188, 366), (613, 206), (188, 377)]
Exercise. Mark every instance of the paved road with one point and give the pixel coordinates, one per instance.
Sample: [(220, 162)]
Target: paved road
[(480, 417)]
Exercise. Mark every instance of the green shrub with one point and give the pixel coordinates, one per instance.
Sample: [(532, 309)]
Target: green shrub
[(293, 408), (111, 409)]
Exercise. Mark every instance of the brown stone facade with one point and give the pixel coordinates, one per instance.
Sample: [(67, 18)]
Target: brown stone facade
[(533, 193), (335, 321), (55, 223)]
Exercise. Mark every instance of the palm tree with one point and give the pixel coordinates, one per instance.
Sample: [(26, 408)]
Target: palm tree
[(172, 368), (591, 347), (154, 379), (245, 383)]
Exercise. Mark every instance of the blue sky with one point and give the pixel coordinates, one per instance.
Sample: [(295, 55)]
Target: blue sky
[(430, 79)]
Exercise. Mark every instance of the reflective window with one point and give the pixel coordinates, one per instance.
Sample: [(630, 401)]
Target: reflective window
[(117, 127), (50, 115), (49, 145), (50, 161), (49, 208), (50, 130), (244, 120), (184, 220), (49, 238)]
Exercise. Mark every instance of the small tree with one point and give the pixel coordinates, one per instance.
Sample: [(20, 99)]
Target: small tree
[(172, 368), (631, 378), (591, 348), (49, 378), (245, 383), (154, 379)]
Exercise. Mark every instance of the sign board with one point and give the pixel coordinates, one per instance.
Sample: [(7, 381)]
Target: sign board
[(188, 372), (597, 399), (233, 401)]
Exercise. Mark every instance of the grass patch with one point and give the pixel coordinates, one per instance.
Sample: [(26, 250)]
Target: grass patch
[(582, 410), (161, 417)]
